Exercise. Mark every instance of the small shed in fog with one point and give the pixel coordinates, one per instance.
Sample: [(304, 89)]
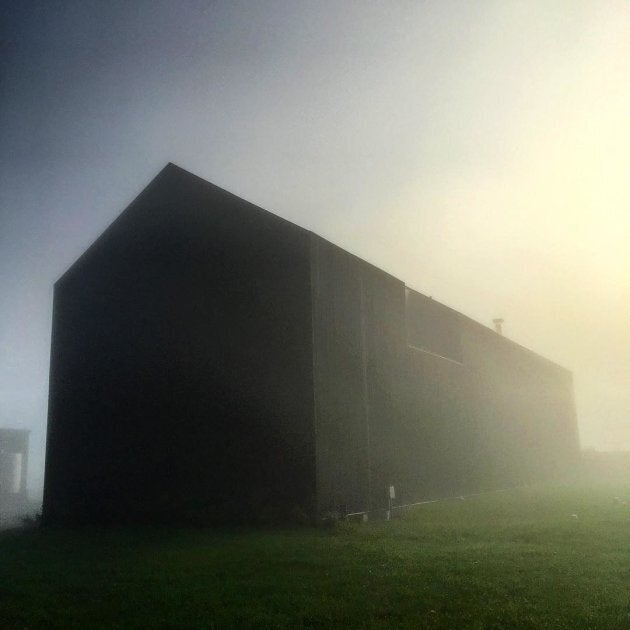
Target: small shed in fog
[(13, 469), (212, 361)]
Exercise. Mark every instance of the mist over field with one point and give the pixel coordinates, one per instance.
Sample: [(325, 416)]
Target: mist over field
[(477, 151)]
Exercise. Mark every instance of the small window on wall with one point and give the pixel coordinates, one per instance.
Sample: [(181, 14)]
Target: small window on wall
[(432, 327)]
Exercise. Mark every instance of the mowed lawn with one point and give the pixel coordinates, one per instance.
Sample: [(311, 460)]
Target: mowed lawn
[(516, 559)]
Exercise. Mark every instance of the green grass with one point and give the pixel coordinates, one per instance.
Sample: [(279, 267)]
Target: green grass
[(508, 560)]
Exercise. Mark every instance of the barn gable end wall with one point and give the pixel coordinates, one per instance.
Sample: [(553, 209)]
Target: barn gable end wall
[(181, 365)]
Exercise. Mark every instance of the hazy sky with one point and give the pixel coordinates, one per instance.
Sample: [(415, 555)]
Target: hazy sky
[(479, 151)]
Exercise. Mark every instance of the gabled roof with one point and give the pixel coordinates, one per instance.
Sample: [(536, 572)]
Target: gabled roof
[(173, 185)]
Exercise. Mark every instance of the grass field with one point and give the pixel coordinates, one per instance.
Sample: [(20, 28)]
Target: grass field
[(507, 560)]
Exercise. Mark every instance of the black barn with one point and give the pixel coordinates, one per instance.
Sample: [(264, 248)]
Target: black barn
[(211, 361)]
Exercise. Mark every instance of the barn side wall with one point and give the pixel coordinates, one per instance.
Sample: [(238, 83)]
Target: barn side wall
[(481, 411), (181, 366), (412, 394)]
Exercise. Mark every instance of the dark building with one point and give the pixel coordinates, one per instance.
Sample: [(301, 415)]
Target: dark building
[(13, 469), (213, 361)]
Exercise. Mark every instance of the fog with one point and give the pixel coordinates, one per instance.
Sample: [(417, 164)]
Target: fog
[(477, 151)]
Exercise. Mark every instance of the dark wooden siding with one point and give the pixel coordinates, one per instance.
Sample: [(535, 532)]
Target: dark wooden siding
[(181, 368)]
